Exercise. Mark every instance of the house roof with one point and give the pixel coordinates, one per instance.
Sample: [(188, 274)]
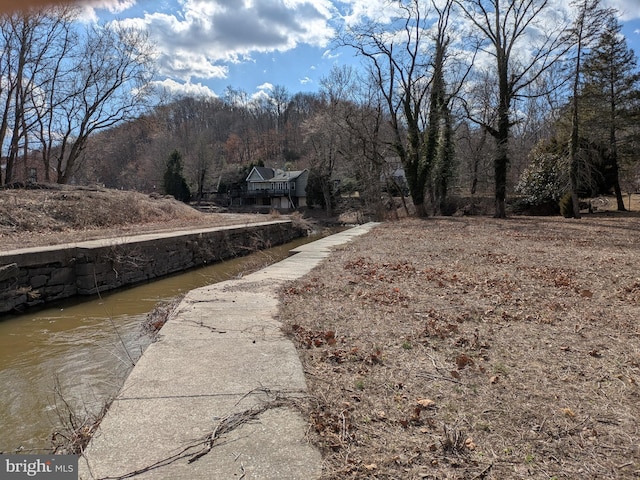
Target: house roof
[(272, 175), (265, 172), (282, 176)]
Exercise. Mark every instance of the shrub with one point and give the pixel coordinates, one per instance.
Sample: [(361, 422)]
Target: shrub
[(545, 180)]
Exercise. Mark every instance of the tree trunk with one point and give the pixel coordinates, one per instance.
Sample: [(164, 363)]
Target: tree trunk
[(614, 151), (500, 170), (616, 187), (326, 193), (501, 161)]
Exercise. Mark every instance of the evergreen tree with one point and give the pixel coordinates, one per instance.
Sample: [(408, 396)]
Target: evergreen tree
[(174, 182), (611, 86)]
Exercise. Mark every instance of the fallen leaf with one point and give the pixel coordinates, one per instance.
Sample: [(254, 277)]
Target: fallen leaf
[(568, 412), (493, 380), (371, 467), (463, 360), (426, 403)]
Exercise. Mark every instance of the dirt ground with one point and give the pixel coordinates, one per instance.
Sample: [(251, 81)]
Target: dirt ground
[(475, 348), (61, 214)]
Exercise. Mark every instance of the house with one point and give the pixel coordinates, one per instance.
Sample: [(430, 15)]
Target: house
[(279, 189), (31, 170)]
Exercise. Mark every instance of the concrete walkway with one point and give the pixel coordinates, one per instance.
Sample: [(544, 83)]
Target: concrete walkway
[(212, 398)]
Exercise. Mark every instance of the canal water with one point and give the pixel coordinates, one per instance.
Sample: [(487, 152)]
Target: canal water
[(79, 353)]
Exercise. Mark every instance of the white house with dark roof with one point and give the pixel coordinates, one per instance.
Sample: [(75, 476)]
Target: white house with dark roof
[(279, 189)]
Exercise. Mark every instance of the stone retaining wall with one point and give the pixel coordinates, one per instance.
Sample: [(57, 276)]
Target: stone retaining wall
[(35, 276)]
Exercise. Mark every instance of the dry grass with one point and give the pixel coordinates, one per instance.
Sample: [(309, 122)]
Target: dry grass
[(62, 214), (475, 348)]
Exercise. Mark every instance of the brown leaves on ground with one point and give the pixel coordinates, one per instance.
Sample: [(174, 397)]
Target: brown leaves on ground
[(475, 348)]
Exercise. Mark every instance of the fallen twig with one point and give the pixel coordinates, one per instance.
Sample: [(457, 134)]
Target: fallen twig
[(206, 444), (483, 474)]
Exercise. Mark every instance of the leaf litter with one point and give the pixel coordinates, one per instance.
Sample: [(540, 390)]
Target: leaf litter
[(462, 348)]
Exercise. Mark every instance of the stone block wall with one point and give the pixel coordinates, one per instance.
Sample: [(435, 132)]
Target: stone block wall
[(32, 277)]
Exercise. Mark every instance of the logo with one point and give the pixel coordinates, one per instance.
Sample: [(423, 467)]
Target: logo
[(51, 467)]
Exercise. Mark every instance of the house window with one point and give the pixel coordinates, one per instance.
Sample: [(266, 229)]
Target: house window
[(33, 175), (293, 186)]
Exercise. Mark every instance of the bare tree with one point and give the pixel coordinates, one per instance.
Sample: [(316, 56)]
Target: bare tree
[(323, 138), (360, 118), (60, 87), (32, 42), (397, 66), (111, 84), (524, 42)]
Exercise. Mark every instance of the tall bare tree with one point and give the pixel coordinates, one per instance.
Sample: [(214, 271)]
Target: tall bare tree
[(32, 42), (111, 84), (395, 58), (61, 86), (525, 39)]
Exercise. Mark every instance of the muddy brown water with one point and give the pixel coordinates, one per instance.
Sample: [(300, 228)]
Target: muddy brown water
[(84, 350)]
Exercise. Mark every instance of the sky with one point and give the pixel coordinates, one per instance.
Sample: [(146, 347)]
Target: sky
[(205, 46)]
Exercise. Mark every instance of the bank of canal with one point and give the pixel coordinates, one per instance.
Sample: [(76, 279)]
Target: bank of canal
[(86, 350)]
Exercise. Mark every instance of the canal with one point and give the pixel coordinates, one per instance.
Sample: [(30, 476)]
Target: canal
[(74, 357)]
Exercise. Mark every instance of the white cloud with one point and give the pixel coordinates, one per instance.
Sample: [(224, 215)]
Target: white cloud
[(177, 89), (629, 9), (359, 10), (88, 8), (329, 55), (206, 35), (305, 81), (113, 6), (260, 97), (265, 87)]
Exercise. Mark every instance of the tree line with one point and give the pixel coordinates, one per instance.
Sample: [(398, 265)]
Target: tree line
[(523, 101)]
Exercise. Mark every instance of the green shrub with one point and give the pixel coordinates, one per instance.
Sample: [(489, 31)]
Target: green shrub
[(545, 180)]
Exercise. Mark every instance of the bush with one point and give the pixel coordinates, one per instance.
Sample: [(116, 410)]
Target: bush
[(545, 180)]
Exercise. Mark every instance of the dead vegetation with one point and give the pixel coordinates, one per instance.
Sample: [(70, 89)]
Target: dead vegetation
[(76, 424), (472, 348), (56, 214)]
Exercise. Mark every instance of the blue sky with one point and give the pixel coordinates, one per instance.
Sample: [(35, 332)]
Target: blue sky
[(206, 45)]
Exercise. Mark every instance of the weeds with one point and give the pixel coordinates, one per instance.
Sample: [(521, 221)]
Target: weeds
[(159, 315), (77, 426)]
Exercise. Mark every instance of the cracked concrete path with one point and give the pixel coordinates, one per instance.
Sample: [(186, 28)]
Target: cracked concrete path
[(212, 399)]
